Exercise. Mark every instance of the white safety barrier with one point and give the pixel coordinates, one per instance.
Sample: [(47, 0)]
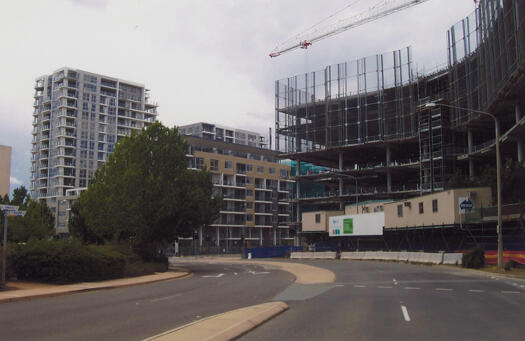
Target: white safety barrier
[(313, 255), (402, 256), (452, 258)]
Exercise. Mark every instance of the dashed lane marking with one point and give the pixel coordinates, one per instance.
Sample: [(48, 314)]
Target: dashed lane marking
[(405, 313), (476, 290), (164, 298), (395, 282), (384, 287), (412, 288), (209, 276), (359, 286), (510, 292), (443, 289)]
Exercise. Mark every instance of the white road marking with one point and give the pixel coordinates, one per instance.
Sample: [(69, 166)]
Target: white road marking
[(235, 273), (359, 286), (259, 273), (443, 289), (164, 298), (219, 275), (510, 292), (405, 313), (476, 290), (339, 285), (384, 287), (412, 288), (395, 282)]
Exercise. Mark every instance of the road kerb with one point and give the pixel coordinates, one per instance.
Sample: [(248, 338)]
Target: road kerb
[(225, 326), (26, 294)]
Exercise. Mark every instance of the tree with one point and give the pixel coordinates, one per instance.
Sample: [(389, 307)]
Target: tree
[(20, 196), (144, 193), (37, 223)]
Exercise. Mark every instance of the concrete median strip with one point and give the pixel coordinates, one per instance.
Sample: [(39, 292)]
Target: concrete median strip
[(56, 290), (225, 326)]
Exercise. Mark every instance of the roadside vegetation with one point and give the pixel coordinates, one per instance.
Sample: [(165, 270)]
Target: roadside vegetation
[(138, 202)]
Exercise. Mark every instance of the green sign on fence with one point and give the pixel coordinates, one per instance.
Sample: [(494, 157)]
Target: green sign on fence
[(348, 226)]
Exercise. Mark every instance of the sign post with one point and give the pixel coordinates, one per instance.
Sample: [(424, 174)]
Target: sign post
[(9, 211)]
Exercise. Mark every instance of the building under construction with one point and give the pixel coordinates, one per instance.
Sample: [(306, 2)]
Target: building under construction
[(369, 120)]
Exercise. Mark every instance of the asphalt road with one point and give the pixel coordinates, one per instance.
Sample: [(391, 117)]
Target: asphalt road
[(138, 312), (395, 301)]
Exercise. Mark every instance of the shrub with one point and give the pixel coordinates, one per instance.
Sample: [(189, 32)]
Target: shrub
[(474, 258), (67, 261), (10, 271)]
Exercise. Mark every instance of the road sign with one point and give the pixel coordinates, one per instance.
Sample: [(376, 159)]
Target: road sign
[(16, 213), (465, 205), (8, 208)]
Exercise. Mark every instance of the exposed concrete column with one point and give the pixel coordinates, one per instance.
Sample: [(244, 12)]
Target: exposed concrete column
[(298, 207), (341, 206), (260, 236), (218, 242), (520, 142), (388, 173), (200, 237), (470, 159), (275, 237)]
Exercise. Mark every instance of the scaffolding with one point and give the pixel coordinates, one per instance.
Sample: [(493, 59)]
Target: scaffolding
[(362, 101), (486, 51)]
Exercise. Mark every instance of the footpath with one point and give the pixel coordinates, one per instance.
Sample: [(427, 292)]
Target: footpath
[(39, 291)]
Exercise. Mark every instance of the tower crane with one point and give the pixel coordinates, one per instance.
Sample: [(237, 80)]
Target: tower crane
[(375, 12)]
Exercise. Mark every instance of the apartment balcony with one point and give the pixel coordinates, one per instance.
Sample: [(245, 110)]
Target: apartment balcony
[(39, 85)]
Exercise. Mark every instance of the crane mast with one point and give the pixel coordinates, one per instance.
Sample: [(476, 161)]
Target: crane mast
[(375, 12)]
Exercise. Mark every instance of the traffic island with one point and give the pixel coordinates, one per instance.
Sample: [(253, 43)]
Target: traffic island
[(225, 326)]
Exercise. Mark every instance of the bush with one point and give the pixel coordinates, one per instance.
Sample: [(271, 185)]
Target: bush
[(66, 261), (474, 258), (10, 272), (142, 268)]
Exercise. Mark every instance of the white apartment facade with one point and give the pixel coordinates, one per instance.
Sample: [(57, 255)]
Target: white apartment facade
[(77, 119)]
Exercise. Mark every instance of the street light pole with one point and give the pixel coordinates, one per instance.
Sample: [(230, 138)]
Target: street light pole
[(498, 172)]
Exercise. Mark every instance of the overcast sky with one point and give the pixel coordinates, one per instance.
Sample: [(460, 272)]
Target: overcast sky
[(204, 60)]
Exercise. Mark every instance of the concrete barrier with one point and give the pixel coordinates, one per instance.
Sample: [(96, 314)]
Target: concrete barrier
[(324, 255), (402, 256), (350, 255), (452, 258)]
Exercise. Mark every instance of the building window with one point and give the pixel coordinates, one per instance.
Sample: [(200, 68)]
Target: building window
[(249, 168), (199, 163), (318, 218), (260, 169), (249, 217), (399, 210), (284, 173), (249, 205), (249, 193), (434, 205), (214, 165), (228, 164), (271, 170), (421, 209)]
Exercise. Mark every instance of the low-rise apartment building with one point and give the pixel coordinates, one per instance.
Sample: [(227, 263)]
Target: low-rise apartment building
[(256, 190)]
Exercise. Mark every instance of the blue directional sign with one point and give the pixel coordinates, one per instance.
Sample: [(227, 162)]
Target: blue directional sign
[(465, 205)]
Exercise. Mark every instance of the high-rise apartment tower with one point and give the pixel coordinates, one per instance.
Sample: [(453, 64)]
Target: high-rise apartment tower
[(78, 117)]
